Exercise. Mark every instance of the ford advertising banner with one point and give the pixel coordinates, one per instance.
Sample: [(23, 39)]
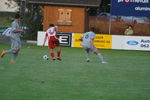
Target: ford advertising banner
[(139, 8), (131, 42)]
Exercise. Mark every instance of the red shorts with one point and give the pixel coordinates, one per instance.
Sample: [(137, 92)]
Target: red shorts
[(53, 41)]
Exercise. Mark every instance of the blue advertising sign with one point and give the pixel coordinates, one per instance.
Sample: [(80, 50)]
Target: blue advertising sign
[(131, 8)]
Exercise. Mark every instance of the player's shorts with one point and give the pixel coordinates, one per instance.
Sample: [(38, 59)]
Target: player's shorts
[(86, 47), (15, 43), (53, 41)]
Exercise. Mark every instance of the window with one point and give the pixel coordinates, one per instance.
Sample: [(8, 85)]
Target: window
[(64, 17)]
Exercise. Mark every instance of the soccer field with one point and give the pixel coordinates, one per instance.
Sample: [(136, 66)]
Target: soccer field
[(125, 77)]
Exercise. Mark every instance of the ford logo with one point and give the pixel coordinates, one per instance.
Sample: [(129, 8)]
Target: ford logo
[(132, 43)]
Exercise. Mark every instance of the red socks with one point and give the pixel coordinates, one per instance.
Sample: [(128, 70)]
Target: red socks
[(52, 55), (58, 54)]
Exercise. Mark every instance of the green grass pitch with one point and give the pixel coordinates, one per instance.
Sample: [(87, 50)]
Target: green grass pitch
[(125, 77)]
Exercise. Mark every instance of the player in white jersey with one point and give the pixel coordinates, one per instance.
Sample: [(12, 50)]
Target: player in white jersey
[(88, 45)]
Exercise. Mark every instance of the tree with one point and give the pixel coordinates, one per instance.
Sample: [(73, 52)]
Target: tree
[(104, 7), (33, 21)]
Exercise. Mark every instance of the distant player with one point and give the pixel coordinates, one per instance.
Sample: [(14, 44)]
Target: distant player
[(53, 41), (88, 45), (15, 40)]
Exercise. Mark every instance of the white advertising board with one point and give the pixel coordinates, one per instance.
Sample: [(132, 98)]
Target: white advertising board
[(131, 42), (40, 38), (118, 41)]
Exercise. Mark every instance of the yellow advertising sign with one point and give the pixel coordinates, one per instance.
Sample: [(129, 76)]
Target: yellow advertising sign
[(101, 41), (77, 42)]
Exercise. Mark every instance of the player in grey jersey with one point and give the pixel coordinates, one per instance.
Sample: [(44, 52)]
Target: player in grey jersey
[(15, 40), (88, 45)]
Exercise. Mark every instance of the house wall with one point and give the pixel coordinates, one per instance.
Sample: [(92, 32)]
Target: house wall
[(78, 18)]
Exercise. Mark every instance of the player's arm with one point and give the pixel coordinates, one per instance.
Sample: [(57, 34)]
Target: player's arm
[(56, 29), (15, 29), (92, 43), (92, 37), (81, 38), (46, 35)]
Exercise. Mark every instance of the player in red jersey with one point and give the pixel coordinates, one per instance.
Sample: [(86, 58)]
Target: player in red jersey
[(53, 41)]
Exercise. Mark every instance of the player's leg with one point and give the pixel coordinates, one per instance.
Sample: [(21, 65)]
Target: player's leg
[(57, 44), (3, 53), (8, 51), (87, 50), (58, 53), (100, 56), (13, 59), (16, 44), (51, 47), (11, 51), (14, 52), (52, 54)]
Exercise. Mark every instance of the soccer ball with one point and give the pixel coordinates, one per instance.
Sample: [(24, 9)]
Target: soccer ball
[(45, 57)]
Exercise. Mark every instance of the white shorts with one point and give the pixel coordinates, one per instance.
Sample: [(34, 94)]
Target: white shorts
[(87, 47)]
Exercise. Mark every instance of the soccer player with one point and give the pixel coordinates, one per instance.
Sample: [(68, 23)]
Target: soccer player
[(15, 40), (88, 45), (53, 41)]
